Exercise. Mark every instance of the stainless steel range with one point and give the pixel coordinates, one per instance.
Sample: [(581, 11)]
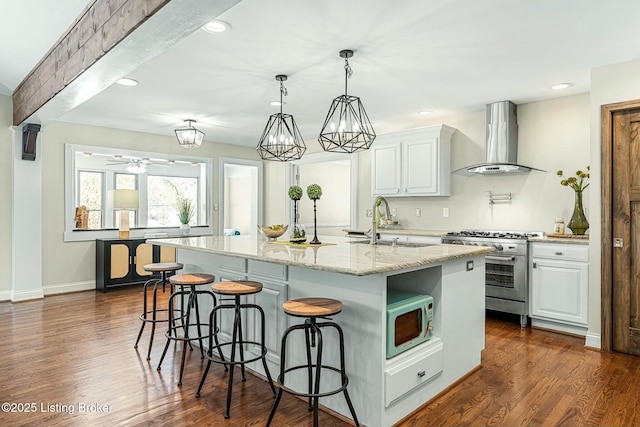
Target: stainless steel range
[(505, 268)]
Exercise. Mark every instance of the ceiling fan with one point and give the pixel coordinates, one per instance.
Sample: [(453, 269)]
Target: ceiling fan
[(134, 165)]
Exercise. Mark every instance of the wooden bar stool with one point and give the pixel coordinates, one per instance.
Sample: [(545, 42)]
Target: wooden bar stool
[(236, 289), (180, 321), (164, 268), (312, 309)]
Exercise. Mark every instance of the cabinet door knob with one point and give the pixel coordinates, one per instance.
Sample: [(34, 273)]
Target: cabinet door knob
[(405, 190), (397, 190), (558, 253), (535, 265), (421, 374)]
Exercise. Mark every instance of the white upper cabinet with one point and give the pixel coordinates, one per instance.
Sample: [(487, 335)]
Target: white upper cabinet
[(416, 162)]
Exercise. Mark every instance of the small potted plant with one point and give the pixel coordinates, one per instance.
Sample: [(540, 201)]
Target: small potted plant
[(298, 235), (314, 192), (186, 211)]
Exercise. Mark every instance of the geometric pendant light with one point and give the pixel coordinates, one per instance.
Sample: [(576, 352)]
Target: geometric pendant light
[(189, 137), (281, 139), (347, 127)]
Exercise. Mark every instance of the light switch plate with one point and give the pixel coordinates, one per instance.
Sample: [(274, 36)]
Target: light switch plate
[(418, 212)]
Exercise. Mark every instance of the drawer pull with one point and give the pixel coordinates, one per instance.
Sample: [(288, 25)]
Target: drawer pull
[(558, 253), (421, 374)]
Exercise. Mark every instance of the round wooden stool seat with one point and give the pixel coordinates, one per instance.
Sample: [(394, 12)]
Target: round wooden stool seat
[(192, 279), (240, 287), (312, 307), (163, 266)]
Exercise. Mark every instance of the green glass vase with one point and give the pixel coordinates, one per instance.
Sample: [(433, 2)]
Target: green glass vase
[(578, 223)]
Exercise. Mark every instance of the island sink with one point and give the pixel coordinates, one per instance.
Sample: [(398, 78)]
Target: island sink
[(392, 243)]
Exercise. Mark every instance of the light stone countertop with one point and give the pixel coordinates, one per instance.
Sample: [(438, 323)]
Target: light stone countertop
[(344, 256), (564, 240)]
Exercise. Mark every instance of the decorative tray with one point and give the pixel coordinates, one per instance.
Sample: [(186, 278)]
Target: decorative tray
[(569, 236)]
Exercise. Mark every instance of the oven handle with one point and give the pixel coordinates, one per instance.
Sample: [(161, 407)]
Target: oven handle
[(499, 258)]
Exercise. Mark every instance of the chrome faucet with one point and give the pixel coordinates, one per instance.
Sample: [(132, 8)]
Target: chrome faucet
[(387, 215)]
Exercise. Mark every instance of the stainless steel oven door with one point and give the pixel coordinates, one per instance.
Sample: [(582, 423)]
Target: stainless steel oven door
[(505, 277)]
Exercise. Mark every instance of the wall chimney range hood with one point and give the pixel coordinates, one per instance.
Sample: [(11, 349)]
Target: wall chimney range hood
[(501, 143)]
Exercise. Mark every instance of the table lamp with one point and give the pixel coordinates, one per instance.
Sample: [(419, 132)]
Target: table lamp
[(124, 200)]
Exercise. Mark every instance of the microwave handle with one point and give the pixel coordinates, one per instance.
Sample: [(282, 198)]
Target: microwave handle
[(424, 319)]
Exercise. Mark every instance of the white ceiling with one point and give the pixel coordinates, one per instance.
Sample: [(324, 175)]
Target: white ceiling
[(448, 56)]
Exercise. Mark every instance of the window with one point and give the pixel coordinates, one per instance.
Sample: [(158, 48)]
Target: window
[(90, 195), (126, 182), (161, 180), (162, 193)]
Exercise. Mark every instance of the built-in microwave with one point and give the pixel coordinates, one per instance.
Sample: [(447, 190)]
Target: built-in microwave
[(409, 320)]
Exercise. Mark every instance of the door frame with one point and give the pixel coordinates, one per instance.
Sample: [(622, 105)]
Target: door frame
[(606, 241), (260, 184)]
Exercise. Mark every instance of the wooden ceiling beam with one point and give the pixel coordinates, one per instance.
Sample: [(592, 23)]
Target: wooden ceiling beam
[(108, 40)]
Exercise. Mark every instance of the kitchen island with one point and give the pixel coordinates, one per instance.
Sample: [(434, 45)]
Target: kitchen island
[(383, 390)]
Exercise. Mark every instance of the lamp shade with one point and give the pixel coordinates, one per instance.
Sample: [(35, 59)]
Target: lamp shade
[(124, 199)]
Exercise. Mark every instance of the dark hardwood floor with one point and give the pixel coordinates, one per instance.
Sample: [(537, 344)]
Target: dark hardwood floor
[(69, 360)]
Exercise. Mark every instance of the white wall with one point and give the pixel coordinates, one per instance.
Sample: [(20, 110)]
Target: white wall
[(552, 135), (6, 173), (74, 262)]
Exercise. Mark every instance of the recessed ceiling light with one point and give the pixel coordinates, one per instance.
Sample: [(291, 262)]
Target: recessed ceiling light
[(425, 112), (560, 86), (127, 82), (216, 26)]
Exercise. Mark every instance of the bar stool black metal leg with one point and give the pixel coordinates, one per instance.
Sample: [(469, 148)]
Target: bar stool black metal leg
[(185, 327), (198, 323), (233, 358), (144, 311), (318, 371), (309, 366), (153, 317), (172, 327), (238, 307), (214, 322), (283, 358), (263, 347)]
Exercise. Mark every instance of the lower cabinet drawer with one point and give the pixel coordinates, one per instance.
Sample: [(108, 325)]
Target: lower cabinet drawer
[(408, 374)]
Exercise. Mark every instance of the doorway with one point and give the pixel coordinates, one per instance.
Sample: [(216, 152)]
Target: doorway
[(240, 196), (621, 227), (337, 175)]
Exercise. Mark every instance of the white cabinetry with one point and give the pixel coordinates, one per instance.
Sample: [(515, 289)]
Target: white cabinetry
[(559, 286), (416, 162), (274, 293)]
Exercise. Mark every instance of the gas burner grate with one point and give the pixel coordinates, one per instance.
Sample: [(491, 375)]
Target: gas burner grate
[(494, 234)]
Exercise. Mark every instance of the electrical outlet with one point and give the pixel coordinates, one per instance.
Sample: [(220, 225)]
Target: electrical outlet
[(418, 212), (369, 213), (215, 206), (445, 212), (394, 211)]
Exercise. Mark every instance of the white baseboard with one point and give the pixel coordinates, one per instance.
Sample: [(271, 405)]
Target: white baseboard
[(5, 295), (64, 288), (26, 295), (593, 340), (558, 326)]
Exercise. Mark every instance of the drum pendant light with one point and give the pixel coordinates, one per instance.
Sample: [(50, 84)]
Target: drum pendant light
[(281, 139), (347, 127)]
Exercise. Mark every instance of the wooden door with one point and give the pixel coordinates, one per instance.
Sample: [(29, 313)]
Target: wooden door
[(625, 218)]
